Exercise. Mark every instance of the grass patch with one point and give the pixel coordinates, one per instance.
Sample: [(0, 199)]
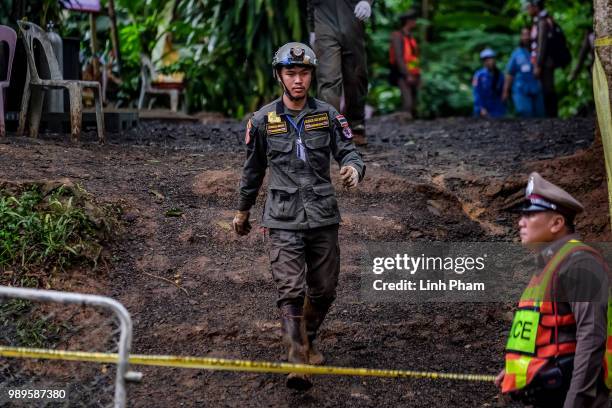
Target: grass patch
[(21, 325), (50, 226), (46, 228)]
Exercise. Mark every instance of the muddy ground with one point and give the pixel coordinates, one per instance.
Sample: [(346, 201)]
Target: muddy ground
[(444, 180)]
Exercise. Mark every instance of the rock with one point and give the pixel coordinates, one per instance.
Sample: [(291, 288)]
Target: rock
[(360, 393), (130, 217), (416, 234)]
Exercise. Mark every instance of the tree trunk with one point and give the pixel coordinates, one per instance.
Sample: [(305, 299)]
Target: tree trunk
[(114, 33), (94, 46), (426, 13), (603, 28), (602, 20)]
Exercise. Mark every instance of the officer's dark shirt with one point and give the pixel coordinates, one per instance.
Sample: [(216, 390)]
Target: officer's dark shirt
[(582, 290), (300, 194)]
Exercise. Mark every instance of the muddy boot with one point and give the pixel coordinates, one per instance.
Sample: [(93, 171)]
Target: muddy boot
[(314, 315), (294, 335), (359, 136)]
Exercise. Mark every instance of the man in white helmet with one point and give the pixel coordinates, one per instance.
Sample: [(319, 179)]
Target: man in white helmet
[(295, 136)]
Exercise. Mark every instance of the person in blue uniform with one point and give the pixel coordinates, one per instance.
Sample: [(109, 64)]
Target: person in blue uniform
[(488, 86), (527, 94)]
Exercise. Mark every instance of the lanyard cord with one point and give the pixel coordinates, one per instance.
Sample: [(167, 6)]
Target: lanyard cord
[(299, 129)]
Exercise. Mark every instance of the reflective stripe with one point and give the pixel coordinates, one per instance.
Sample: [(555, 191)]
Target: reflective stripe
[(411, 55), (563, 320), (518, 367), (553, 350)]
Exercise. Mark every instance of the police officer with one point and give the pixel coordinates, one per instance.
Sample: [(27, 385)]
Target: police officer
[(339, 39), (488, 87), (541, 53), (526, 89), (557, 344), (295, 136)]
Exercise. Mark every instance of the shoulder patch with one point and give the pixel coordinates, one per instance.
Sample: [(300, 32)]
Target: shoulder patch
[(342, 120), (346, 130), (276, 128), (247, 134), (316, 121)]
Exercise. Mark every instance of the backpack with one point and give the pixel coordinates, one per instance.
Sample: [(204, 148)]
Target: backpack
[(557, 47)]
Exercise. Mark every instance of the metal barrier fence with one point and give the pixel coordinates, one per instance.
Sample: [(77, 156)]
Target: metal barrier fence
[(125, 326)]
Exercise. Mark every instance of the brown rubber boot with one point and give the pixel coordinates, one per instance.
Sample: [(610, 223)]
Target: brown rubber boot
[(314, 315), (294, 334), (359, 136)]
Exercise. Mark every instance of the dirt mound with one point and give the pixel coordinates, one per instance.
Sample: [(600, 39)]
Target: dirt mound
[(45, 186), (217, 183), (583, 174), (209, 292)]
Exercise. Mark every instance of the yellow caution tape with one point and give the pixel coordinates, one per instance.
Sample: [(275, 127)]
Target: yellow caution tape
[(231, 365), (603, 41)]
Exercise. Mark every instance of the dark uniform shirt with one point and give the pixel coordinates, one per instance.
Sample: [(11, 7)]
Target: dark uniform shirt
[(540, 31), (297, 149), (583, 283)]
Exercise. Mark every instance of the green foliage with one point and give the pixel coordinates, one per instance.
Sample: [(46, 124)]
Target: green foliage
[(48, 231), (229, 47), (226, 47), (39, 11), (447, 82), (460, 30), (575, 17)]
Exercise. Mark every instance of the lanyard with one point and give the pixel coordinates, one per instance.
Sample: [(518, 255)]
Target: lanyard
[(301, 151)]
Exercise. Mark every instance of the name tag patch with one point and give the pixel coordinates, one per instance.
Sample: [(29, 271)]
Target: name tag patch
[(276, 128), (318, 121)]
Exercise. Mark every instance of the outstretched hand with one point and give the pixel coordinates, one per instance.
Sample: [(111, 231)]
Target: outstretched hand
[(349, 176), (363, 10)]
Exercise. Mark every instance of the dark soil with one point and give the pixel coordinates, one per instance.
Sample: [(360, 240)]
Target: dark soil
[(444, 180)]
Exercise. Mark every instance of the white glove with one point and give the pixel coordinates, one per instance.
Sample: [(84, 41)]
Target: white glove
[(349, 176), (363, 10), (312, 38)]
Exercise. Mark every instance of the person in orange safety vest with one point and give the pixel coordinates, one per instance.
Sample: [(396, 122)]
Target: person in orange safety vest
[(404, 62), (559, 348)]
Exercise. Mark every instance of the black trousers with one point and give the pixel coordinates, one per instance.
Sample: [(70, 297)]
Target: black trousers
[(547, 79), (342, 67), (409, 96), (305, 263)]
